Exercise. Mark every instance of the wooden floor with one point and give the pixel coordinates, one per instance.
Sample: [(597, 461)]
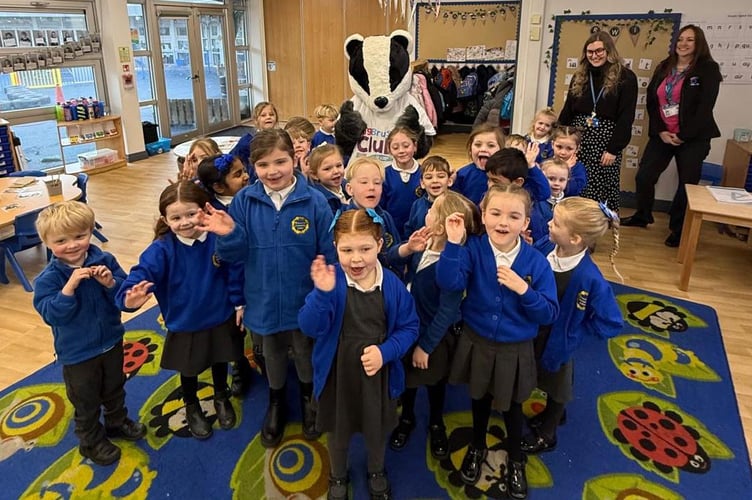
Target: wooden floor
[(125, 201)]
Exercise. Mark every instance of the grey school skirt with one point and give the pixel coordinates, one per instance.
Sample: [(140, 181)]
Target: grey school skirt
[(505, 370), (558, 384)]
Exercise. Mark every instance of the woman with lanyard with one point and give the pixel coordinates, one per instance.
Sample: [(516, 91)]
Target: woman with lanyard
[(680, 101), (601, 102)]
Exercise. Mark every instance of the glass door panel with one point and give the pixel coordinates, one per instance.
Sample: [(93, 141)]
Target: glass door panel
[(215, 70), (179, 75)]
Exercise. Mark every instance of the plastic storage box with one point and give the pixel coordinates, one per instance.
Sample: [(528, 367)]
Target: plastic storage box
[(160, 146), (98, 158), (712, 173)]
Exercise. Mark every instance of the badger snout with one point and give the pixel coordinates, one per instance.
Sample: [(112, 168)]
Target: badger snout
[(381, 102)]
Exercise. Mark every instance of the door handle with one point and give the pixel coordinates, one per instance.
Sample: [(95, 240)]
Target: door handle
[(194, 77)]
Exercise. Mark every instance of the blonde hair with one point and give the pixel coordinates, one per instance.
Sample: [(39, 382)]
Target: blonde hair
[(321, 153), (514, 139), (450, 202), (64, 217), (325, 111), (547, 111), (356, 164), (554, 162), (512, 189), (585, 218), (299, 127), (207, 144), (612, 68)]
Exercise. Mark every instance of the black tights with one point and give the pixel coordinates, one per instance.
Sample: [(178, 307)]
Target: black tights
[(190, 384), (436, 396), (551, 418), (513, 419), (338, 450)]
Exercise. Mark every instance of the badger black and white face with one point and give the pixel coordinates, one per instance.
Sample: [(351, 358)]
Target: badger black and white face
[(380, 68)]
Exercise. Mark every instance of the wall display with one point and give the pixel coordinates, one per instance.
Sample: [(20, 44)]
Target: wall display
[(730, 40), (36, 53), (643, 40), (467, 32)]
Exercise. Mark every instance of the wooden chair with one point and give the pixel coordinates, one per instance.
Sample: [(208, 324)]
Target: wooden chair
[(81, 180), (26, 237)]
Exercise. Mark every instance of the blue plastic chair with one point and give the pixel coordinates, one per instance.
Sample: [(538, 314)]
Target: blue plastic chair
[(81, 180), (27, 173), (26, 237)]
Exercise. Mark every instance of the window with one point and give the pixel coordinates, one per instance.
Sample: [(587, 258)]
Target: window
[(142, 62)]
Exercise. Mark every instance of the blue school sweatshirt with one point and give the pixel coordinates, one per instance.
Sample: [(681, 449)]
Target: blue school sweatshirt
[(471, 182), (398, 196), (88, 323), (277, 248), (418, 212)]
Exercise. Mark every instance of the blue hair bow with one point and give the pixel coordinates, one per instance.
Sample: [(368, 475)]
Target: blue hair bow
[(375, 216), (223, 163), (610, 214), (334, 220)]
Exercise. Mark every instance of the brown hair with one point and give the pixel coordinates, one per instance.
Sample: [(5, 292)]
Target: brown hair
[(64, 217), (260, 107), (435, 163), (547, 111), (356, 221), (514, 139), (612, 67), (267, 141), (484, 128), (297, 126), (512, 189), (321, 153), (702, 52), (567, 131), (584, 217), (401, 129), (184, 191), (450, 202)]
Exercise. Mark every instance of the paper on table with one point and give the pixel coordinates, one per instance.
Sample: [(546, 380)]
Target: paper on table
[(730, 195)]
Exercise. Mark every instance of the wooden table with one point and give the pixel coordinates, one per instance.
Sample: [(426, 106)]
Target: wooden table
[(701, 206), (225, 143), (19, 201)]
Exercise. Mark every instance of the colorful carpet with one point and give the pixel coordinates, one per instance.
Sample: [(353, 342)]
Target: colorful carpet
[(655, 417)]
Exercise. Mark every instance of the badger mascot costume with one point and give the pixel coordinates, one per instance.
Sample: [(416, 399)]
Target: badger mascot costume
[(380, 78)]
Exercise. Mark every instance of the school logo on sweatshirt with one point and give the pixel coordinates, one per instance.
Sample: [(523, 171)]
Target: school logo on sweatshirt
[(582, 300), (300, 225)]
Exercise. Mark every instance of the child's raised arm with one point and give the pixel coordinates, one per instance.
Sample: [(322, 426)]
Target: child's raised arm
[(215, 221), (137, 296), (323, 275)]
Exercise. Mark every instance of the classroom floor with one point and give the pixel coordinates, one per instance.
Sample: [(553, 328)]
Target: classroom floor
[(125, 201)]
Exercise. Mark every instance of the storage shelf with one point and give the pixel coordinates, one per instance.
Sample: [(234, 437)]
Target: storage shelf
[(113, 141), (89, 141), (74, 123), (75, 168)]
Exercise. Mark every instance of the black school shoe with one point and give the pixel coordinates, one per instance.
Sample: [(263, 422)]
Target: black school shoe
[(438, 441), (102, 453), (241, 377), (401, 434), (472, 464), (225, 411), (673, 240), (129, 430), (337, 488), (198, 425), (536, 421), (516, 479), (378, 486), (635, 220), (537, 443)]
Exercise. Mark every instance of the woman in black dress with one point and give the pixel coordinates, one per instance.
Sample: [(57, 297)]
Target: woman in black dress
[(680, 100), (601, 101)]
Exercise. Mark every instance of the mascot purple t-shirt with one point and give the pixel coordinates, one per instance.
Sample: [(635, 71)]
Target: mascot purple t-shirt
[(380, 77)]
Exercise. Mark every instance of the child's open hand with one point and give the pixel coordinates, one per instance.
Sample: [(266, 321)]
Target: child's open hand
[(511, 280), (190, 167), (418, 240), (455, 228), (138, 295), (78, 275), (572, 161), (215, 221), (531, 153), (322, 274), (239, 317), (420, 358), (103, 276), (372, 360)]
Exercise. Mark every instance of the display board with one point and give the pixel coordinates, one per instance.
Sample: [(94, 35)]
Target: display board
[(467, 32), (643, 41), (729, 38)]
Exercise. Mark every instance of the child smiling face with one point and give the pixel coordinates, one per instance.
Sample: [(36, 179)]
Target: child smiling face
[(482, 147), (365, 186), (505, 218)]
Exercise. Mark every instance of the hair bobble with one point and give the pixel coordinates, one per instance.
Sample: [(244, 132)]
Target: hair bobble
[(375, 217), (223, 163), (610, 214)]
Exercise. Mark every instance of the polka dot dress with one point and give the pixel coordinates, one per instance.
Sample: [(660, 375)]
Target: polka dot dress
[(602, 181)]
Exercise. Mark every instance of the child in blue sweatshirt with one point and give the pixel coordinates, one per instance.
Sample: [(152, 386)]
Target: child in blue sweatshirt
[(364, 321), (75, 295), (439, 313), (435, 179), (223, 176), (276, 227), (588, 308), (200, 299), (401, 178), (471, 181), (510, 293), (327, 175), (566, 143)]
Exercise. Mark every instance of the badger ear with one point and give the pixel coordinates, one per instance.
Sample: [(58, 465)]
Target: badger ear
[(353, 44), (404, 39)]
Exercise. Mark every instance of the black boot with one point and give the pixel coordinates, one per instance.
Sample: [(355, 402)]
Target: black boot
[(517, 479), (224, 409), (241, 376), (275, 419), (102, 453), (130, 430), (308, 410), (198, 425)]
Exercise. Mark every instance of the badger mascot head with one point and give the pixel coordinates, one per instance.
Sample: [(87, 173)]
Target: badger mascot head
[(380, 78)]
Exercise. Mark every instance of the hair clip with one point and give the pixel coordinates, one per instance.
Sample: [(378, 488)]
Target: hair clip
[(375, 216), (610, 214), (223, 163), (334, 220)]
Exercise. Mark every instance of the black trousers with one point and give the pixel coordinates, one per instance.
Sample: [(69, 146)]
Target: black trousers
[(92, 384), (689, 157)]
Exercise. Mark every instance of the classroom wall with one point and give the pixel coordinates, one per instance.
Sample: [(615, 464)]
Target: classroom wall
[(733, 100)]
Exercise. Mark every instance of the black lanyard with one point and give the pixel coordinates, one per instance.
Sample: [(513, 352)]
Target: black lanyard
[(671, 80)]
